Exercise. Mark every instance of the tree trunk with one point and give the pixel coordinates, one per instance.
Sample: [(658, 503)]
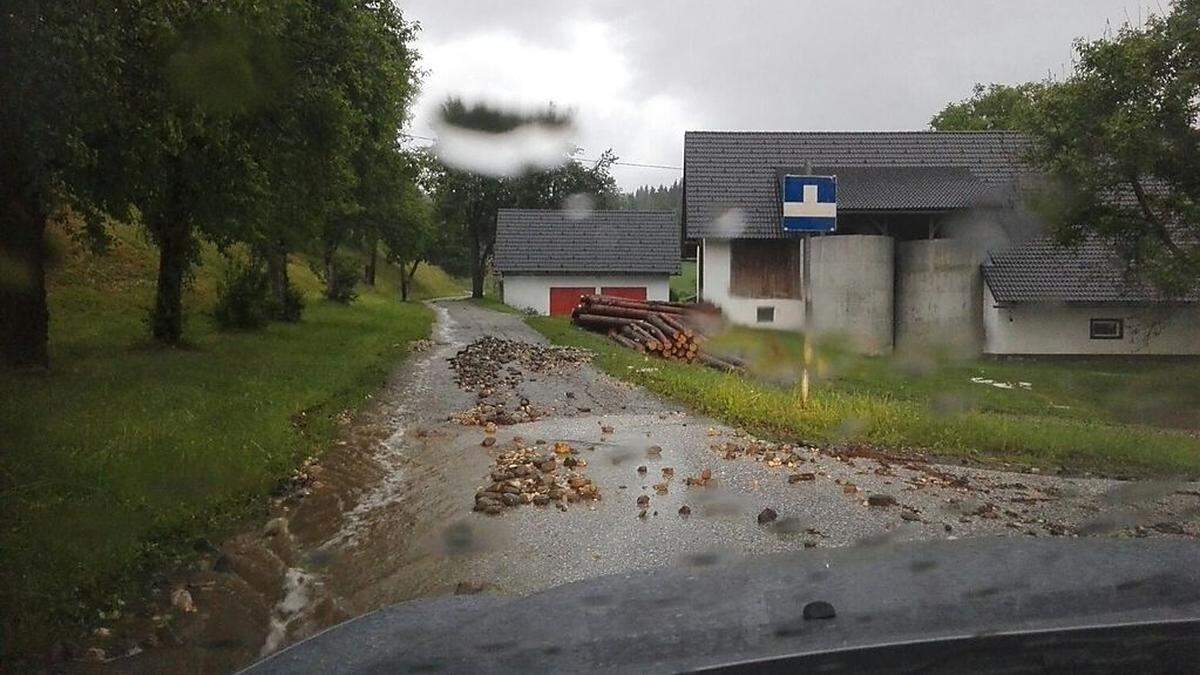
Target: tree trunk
[(406, 276), (369, 270), (476, 265), (24, 318), (174, 256), (330, 276), (277, 272)]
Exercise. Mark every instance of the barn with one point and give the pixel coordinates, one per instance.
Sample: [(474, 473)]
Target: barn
[(934, 246), (548, 258)]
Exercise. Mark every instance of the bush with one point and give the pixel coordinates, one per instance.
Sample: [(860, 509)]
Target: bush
[(243, 298), (345, 277)]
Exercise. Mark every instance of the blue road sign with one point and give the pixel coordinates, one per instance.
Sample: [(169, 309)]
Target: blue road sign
[(809, 203)]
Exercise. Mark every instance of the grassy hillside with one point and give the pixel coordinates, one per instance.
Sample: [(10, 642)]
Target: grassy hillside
[(125, 452), (1078, 416)]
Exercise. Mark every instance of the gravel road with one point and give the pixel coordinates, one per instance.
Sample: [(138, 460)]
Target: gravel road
[(387, 515)]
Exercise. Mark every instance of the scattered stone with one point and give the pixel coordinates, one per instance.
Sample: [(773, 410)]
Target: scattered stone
[(489, 428), (478, 366), (654, 451), (181, 600), (797, 477), (910, 516), (95, 655), (668, 472), (469, 587), (526, 476), (641, 469), (489, 441), (767, 515), (606, 429), (1168, 528), (643, 501), (660, 488), (881, 500), (685, 511), (819, 610)]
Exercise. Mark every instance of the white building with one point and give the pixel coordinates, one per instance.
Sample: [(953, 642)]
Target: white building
[(921, 217), (547, 259)]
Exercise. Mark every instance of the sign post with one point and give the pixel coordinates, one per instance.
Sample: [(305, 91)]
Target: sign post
[(809, 205)]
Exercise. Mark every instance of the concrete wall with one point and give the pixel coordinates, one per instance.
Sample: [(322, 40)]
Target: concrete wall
[(938, 296), (852, 280), (1057, 328), (789, 314), (532, 291)]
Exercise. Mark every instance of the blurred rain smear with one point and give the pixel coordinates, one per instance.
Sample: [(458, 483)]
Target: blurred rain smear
[(485, 139)]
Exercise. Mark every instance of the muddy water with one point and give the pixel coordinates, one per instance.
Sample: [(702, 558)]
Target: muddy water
[(386, 516)]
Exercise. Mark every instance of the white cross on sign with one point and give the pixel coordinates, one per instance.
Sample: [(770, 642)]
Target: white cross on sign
[(808, 206)]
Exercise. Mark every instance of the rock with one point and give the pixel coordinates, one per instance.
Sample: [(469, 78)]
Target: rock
[(469, 587), (548, 465), (95, 655), (654, 451), (102, 633), (489, 441), (182, 601), (881, 500), (910, 516), (797, 477), (570, 394), (948, 527), (541, 499), (605, 429), (660, 488), (489, 428), (668, 472), (642, 469), (819, 610), (643, 501), (767, 515), (510, 499), (685, 511), (1168, 528), (706, 475), (493, 509)]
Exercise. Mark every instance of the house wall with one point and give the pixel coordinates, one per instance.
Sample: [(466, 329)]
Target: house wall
[(789, 314), (938, 293), (532, 291), (852, 284), (1056, 328)]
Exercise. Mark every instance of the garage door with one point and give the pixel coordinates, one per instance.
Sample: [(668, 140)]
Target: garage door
[(564, 298), (630, 292)]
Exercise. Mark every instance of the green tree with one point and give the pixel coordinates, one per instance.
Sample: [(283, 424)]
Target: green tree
[(59, 61), (1121, 136), (989, 108)]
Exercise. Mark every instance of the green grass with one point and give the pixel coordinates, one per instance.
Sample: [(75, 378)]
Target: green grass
[(930, 405), (683, 285), (124, 453)]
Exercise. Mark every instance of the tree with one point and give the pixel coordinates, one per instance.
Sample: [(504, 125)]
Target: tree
[(990, 108), (1121, 136), (59, 59)]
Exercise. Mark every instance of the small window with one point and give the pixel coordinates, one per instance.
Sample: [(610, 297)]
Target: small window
[(766, 314), (1107, 329)]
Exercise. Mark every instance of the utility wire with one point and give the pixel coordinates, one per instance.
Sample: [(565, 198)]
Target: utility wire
[(585, 159)]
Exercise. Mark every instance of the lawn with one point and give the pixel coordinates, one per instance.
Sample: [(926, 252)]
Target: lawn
[(1093, 416), (125, 453), (683, 285)]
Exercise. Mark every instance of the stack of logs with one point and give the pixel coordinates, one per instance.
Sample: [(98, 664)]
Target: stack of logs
[(649, 326)]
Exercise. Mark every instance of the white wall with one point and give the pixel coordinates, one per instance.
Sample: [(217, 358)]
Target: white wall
[(789, 314), (1058, 328), (938, 294), (532, 291)]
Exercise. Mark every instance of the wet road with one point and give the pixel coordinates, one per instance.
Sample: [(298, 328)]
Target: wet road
[(386, 515)]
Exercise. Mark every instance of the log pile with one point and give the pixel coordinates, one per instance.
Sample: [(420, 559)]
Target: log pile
[(654, 327)]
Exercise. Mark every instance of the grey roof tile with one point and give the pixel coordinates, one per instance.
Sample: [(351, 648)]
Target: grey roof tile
[(740, 170), (623, 242), (1041, 270)]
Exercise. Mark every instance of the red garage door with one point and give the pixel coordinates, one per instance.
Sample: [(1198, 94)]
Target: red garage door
[(564, 298), (629, 292)]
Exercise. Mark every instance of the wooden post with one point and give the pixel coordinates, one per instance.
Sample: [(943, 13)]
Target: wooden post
[(806, 294)]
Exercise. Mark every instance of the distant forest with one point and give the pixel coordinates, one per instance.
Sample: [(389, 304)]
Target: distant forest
[(654, 198)]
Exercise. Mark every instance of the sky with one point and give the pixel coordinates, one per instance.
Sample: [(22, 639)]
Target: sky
[(636, 74)]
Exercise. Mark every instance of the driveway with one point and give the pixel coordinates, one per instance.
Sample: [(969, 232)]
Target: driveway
[(387, 515)]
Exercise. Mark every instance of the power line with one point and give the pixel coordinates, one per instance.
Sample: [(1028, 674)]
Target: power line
[(639, 165)]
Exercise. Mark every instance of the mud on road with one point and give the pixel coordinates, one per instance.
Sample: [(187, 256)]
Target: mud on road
[(494, 463)]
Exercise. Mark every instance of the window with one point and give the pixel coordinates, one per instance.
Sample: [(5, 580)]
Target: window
[(1107, 329), (766, 315), (764, 268)]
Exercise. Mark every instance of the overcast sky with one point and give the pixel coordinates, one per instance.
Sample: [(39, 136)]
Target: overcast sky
[(638, 73)]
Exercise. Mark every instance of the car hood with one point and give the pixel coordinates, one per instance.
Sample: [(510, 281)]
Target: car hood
[(711, 610)]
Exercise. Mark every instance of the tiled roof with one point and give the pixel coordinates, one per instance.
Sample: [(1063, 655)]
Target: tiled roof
[(1041, 270), (907, 188), (537, 241), (731, 177)]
